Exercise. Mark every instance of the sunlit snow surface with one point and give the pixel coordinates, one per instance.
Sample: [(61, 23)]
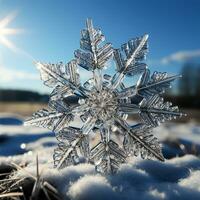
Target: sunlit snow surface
[(176, 178)]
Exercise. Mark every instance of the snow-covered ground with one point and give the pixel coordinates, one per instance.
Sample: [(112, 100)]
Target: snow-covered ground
[(176, 178)]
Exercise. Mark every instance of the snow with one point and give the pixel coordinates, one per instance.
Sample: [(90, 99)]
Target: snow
[(188, 131), (176, 178), (140, 179), (91, 187), (192, 181)]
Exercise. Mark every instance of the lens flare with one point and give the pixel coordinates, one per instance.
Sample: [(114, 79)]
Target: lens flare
[(6, 31)]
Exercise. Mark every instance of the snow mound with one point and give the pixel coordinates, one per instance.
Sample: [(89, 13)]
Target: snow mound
[(12, 121), (177, 178)]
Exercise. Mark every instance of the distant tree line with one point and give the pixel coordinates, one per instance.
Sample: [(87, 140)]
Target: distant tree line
[(8, 95), (189, 85), (188, 93)]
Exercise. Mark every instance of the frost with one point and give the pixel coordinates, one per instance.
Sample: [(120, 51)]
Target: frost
[(104, 103)]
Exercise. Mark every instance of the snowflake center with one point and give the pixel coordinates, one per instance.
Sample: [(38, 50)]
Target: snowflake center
[(104, 104)]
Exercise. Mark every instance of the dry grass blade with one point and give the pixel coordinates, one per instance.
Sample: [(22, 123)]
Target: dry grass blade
[(27, 187), (10, 179), (11, 194), (14, 184), (4, 174), (20, 168), (49, 189), (46, 187)]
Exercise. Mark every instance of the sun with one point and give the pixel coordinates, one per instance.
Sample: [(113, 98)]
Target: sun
[(5, 31)]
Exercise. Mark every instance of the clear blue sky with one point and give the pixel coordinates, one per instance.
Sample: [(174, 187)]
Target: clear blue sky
[(52, 32)]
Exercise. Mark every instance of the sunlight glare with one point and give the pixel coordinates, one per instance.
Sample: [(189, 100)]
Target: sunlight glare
[(4, 31)]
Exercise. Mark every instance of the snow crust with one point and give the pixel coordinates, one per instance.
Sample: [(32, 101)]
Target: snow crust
[(176, 178)]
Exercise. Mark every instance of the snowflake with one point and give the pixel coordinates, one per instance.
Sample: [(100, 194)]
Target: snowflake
[(99, 107)]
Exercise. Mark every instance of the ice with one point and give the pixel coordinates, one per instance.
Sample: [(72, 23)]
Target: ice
[(104, 103)]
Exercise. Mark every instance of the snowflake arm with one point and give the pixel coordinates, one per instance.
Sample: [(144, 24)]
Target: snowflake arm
[(154, 110), (155, 84), (70, 140), (50, 119), (92, 56), (89, 124), (66, 75), (60, 92), (107, 155), (138, 139), (135, 50), (149, 85), (55, 118)]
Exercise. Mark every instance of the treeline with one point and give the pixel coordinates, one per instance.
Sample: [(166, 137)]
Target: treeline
[(8, 95), (192, 102), (183, 101), (187, 94), (189, 84)]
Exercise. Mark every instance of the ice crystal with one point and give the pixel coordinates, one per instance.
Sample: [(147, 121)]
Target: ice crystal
[(104, 103)]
